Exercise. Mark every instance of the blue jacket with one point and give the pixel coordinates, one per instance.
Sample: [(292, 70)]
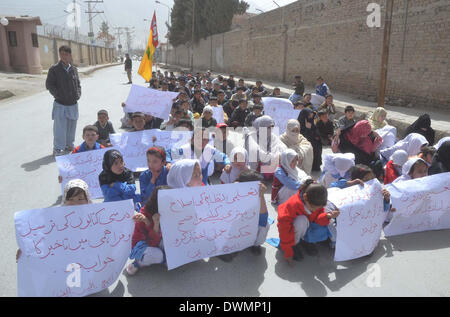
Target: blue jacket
[(146, 185), (120, 191), (287, 181)]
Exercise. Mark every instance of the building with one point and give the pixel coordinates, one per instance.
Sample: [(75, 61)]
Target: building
[(19, 45)]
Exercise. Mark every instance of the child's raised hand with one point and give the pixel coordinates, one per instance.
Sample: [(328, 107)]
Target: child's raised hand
[(262, 190), (168, 166), (141, 218), (227, 169), (123, 104), (356, 182), (386, 195), (18, 254), (334, 214), (60, 179), (154, 139)]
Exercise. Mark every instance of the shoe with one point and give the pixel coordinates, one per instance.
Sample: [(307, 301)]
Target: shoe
[(298, 255), (310, 248), (226, 258), (59, 152), (256, 250), (132, 268)]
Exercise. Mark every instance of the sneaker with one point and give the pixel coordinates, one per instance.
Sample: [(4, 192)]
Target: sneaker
[(59, 152), (298, 255), (310, 248), (132, 268), (256, 250)]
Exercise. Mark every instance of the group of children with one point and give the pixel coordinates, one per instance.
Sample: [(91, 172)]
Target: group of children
[(305, 216)]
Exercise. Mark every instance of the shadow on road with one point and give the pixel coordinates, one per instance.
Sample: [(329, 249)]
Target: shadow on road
[(212, 278), (316, 274), (35, 165), (428, 240)]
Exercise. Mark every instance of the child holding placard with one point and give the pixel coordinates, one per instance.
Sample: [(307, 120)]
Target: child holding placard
[(337, 169), (147, 243), (156, 175), (239, 164), (90, 137), (302, 221), (116, 181), (413, 169)]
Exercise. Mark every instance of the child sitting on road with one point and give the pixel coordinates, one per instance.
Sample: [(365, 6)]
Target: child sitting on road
[(288, 177), (156, 175), (325, 127), (393, 168), (263, 226), (239, 164), (427, 153), (302, 221), (105, 128), (147, 242), (337, 169), (90, 137), (138, 121), (117, 182), (413, 169), (185, 173)]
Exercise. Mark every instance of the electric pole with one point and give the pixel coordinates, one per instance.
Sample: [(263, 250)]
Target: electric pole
[(90, 12), (76, 19), (119, 33)]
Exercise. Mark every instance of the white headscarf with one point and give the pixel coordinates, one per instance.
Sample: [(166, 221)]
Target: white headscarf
[(293, 137), (77, 183), (411, 144), (442, 141), (180, 173), (263, 122), (339, 163), (295, 173), (399, 157), (234, 174), (208, 109), (407, 169)]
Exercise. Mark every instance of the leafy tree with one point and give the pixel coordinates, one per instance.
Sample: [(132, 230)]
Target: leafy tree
[(104, 33), (211, 17)]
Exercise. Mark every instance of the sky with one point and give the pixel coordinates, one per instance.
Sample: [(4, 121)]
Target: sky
[(118, 13)]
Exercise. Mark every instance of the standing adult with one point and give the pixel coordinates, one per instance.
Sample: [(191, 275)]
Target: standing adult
[(128, 67), (64, 84)]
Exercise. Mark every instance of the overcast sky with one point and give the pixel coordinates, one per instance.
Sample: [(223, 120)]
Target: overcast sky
[(122, 13)]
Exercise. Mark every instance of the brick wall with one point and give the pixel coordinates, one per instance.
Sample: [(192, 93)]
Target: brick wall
[(330, 38)]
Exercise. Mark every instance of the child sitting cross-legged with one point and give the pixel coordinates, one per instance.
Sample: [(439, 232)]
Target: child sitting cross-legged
[(90, 137), (156, 175), (147, 242)]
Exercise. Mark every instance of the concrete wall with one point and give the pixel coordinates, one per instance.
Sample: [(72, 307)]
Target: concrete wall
[(82, 54), (330, 38)]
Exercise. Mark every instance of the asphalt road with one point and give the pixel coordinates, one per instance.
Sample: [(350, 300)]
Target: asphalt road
[(410, 265)]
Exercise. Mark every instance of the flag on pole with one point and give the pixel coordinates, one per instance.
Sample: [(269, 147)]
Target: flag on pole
[(145, 69)]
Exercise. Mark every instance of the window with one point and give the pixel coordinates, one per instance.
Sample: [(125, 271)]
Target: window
[(34, 39), (12, 38)]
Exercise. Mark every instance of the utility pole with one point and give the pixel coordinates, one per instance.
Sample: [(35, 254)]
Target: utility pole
[(119, 33), (128, 32), (91, 27), (385, 56), (75, 11)]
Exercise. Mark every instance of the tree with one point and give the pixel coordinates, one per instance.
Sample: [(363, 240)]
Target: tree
[(104, 33), (211, 17)]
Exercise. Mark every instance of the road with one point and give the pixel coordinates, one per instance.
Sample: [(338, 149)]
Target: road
[(411, 265)]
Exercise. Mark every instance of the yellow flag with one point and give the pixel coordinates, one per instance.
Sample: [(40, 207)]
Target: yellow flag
[(145, 69)]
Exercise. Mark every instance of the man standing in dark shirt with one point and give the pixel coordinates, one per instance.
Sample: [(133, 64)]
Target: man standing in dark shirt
[(128, 67), (64, 84)]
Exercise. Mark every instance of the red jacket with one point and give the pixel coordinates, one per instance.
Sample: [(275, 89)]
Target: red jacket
[(287, 213), (391, 174), (146, 233)]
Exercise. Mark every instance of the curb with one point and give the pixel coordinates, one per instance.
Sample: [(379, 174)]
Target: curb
[(90, 71)]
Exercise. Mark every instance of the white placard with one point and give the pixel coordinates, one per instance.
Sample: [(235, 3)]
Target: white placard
[(203, 222), (150, 101), (421, 205), (218, 114), (361, 219), (134, 145), (72, 251), (86, 166), (389, 135), (281, 111)]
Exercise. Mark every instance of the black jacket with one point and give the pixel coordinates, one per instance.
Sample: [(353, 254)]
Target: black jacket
[(128, 64), (64, 86)]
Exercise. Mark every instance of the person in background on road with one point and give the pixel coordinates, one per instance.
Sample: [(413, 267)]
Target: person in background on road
[(64, 85), (256, 100), (325, 128), (152, 123), (288, 177), (241, 83), (276, 93), (441, 160), (329, 107), (116, 181), (156, 175), (347, 120), (294, 140), (138, 121), (105, 128), (213, 102), (307, 102), (412, 144), (231, 82), (198, 102), (378, 119), (322, 88), (299, 87), (90, 137), (393, 169), (239, 114), (128, 67), (257, 112), (309, 130), (147, 242), (423, 126), (207, 118), (261, 89), (302, 221)]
